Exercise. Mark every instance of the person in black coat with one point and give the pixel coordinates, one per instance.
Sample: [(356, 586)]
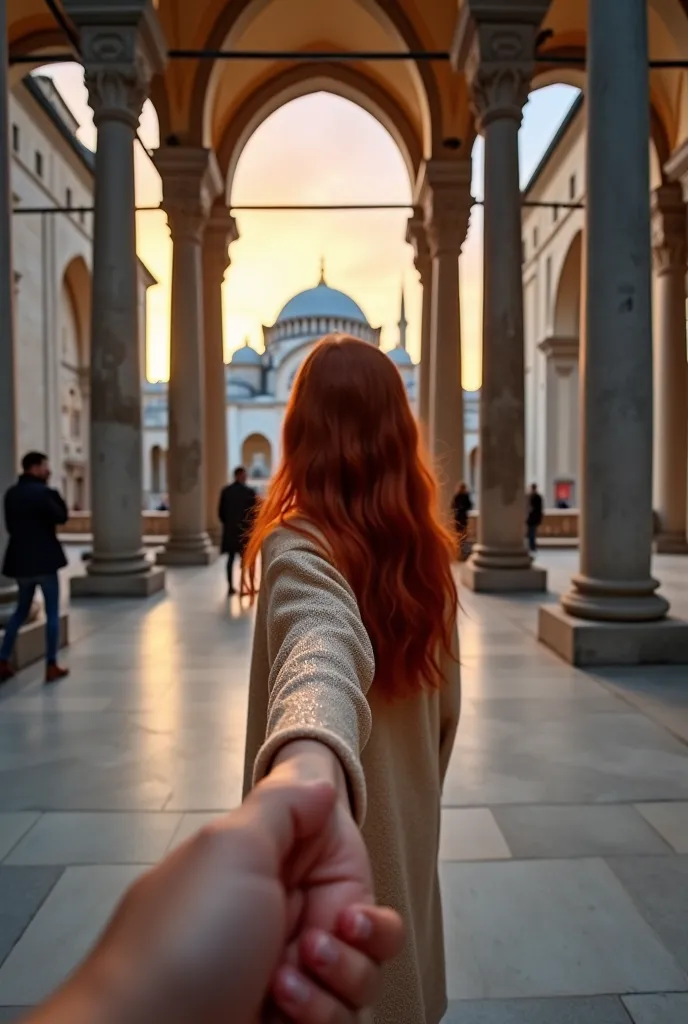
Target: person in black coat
[(33, 557), (236, 512), (534, 516), (461, 506)]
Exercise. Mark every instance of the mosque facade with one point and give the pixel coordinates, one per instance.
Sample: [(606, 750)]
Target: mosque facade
[(258, 385)]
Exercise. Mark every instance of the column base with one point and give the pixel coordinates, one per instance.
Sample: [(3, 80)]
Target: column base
[(587, 644), (198, 551), (484, 580), (671, 544), (598, 600), (30, 645), (142, 584)]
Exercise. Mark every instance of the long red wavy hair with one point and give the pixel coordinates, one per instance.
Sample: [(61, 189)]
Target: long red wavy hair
[(354, 467)]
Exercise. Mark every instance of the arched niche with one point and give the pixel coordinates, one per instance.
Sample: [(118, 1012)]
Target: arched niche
[(256, 456)]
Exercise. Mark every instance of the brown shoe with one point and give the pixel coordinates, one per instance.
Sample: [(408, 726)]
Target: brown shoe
[(6, 671), (54, 673)]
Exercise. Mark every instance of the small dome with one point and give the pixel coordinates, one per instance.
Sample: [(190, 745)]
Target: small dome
[(246, 356), (400, 356), (323, 301)]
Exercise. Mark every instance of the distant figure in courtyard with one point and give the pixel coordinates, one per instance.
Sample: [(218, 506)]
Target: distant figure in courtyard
[(462, 504), (163, 505), (355, 672), (34, 555), (534, 516), (236, 511)]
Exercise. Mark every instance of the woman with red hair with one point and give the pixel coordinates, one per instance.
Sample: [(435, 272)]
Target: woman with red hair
[(355, 672)]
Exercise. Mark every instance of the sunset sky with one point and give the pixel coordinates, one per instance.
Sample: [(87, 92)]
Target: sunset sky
[(318, 149)]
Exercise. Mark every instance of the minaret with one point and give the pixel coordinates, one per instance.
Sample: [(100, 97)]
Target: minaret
[(403, 322), (322, 271)]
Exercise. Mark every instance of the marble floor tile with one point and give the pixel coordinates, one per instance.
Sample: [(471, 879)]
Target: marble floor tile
[(671, 821), (549, 757), (659, 888), (548, 928), (22, 891), (72, 838), (14, 825), (572, 831), (671, 1008), (601, 1010), (471, 833), (62, 931)]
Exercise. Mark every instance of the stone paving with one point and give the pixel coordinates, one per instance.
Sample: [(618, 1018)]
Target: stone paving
[(565, 832)]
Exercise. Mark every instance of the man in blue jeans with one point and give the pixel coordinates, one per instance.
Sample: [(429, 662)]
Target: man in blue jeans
[(33, 558)]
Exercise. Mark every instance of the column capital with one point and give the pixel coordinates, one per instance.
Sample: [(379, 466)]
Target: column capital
[(445, 198), (668, 229), (494, 46), (220, 231), (191, 182), (120, 55), (417, 236)]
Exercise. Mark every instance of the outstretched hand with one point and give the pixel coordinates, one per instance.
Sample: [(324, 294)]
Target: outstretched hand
[(275, 897)]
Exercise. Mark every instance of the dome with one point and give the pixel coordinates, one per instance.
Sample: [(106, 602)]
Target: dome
[(246, 356), (400, 356), (322, 301)]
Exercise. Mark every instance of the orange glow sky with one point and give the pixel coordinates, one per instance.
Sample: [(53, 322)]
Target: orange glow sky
[(318, 149)]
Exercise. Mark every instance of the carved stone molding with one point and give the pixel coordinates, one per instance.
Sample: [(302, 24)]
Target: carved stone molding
[(119, 59), (446, 200), (220, 231), (558, 347), (495, 47), (668, 229), (417, 236), (191, 182)]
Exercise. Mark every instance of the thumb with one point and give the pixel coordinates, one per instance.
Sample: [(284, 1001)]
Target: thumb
[(290, 813)]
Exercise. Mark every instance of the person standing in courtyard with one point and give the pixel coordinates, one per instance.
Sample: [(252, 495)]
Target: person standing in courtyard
[(34, 555), (534, 516), (355, 671), (461, 506), (236, 511)]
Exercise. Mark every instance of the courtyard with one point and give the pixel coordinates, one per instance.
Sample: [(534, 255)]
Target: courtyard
[(565, 829)]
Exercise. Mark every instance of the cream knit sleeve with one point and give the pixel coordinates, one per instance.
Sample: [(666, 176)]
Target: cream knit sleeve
[(321, 660)]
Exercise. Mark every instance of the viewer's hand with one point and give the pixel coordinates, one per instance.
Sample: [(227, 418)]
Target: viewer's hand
[(197, 940)]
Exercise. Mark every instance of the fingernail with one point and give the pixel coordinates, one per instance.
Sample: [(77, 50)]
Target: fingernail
[(361, 926), (324, 950), (294, 987)]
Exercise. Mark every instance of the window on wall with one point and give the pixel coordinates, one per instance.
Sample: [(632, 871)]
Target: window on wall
[(38, 163), (555, 214), (535, 238), (16, 138), (572, 187), (68, 198)]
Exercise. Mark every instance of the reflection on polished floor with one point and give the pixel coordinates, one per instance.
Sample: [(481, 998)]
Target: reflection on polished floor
[(565, 834)]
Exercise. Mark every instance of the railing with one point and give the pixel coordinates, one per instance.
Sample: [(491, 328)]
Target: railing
[(559, 526)]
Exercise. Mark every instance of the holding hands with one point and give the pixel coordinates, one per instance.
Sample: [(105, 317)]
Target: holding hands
[(266, 915)]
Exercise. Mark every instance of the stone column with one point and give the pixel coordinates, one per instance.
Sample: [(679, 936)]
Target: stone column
[(119, 61), (416, 236), (191, 181), (671, 369), (497, 58), (8, 422), (220, 232), (446, 199), (623, 618)]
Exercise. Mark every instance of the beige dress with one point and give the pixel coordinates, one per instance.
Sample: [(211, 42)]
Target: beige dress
[(312, 677)]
